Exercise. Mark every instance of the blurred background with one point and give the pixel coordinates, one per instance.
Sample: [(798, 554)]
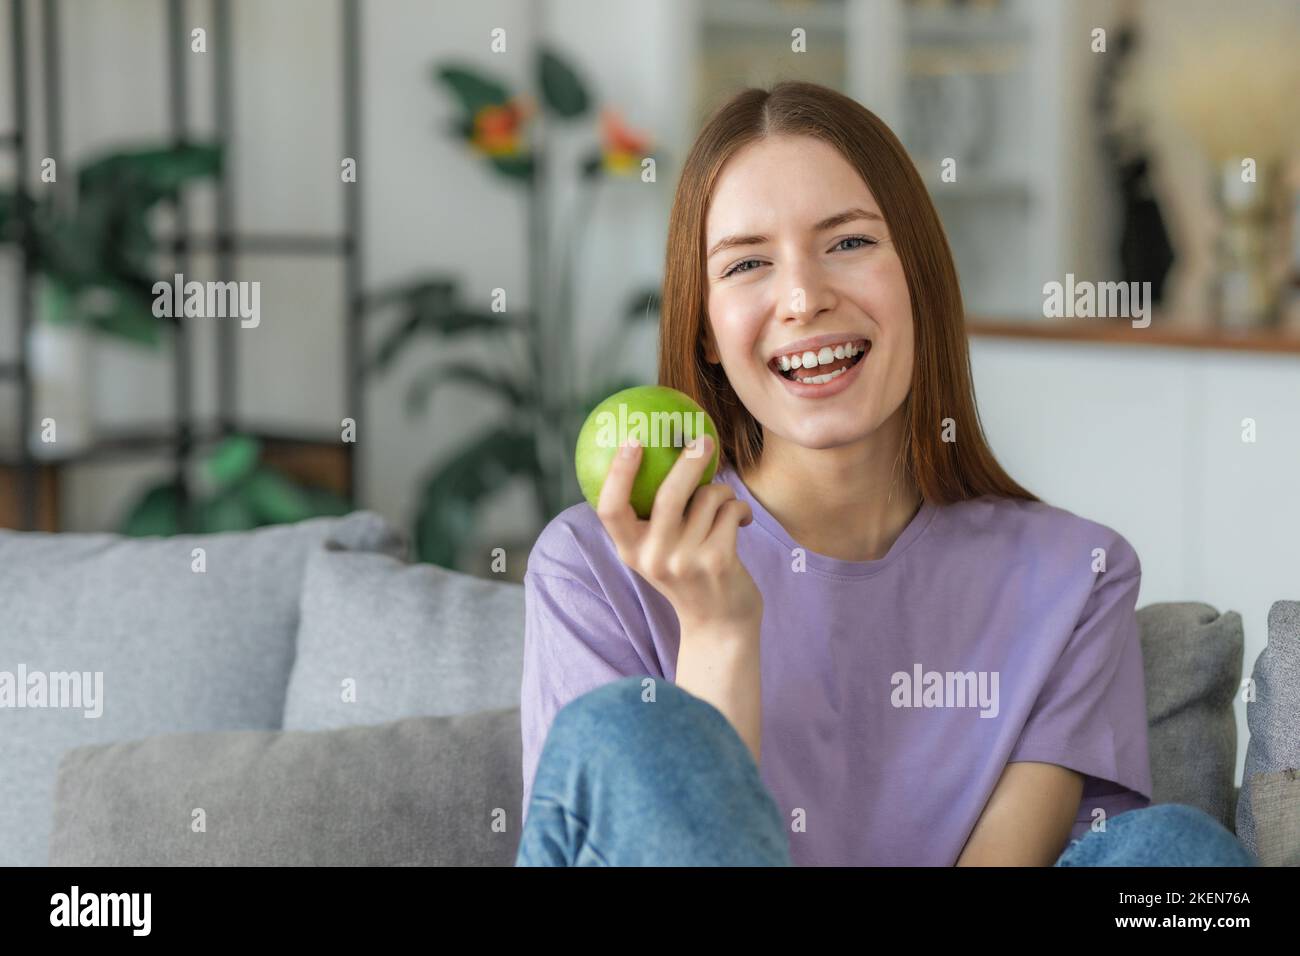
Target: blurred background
[(455, 215)]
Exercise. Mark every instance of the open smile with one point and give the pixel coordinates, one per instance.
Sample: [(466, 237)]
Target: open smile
[(823, 372)]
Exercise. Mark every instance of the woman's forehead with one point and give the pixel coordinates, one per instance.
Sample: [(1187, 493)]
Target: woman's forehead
[(764, 191)]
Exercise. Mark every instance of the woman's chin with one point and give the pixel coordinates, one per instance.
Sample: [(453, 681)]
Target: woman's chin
[(827, 438)]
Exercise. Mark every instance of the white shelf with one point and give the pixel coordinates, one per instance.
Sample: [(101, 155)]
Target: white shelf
[(770, 15), (961, 27)]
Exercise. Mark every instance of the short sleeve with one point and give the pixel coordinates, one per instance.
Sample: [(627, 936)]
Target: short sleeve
[(573, 642), (1090, 715)]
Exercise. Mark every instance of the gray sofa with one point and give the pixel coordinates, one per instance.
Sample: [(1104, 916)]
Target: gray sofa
[(300, 695)]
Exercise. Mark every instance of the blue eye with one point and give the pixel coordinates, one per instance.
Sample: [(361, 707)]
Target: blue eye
[(866, 240), (736, 268)]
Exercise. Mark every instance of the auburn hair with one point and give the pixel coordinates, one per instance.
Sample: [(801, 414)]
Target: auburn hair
[(941, 388)]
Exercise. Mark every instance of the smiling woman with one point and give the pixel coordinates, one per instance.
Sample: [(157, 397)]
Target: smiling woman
[(859, 528)]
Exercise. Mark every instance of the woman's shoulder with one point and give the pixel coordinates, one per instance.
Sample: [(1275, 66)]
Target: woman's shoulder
[(1043, 530), (574, 544)]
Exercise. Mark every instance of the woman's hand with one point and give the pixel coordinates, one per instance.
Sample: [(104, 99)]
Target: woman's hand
[(687, 548)]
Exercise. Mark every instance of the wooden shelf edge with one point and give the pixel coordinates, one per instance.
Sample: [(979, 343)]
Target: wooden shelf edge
[(1122, 332)]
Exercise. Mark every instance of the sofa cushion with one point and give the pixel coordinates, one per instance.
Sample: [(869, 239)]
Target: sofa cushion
[(424, 791), (1273, 716), (1275, 808), (1191, 657), (164, 646), (379, 640)]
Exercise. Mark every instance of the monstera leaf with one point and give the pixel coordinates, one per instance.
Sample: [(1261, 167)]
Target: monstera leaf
[(244, 494), (98, 261), (452, 497)]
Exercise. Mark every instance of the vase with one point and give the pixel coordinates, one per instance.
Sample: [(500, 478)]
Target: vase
[(62, 405), (1254, 217)]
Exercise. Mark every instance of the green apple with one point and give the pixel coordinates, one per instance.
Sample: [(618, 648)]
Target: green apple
[(662, 419)]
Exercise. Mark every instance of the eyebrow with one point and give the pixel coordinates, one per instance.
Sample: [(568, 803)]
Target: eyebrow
[(830, 222)]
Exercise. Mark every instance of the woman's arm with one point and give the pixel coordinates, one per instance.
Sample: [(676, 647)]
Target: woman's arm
[(687, 552), (720, 664), (1028, 819)]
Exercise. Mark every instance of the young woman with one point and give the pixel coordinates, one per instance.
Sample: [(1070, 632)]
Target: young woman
[(862, 643)]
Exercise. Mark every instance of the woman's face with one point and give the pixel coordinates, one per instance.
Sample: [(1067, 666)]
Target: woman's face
[(800, 276)]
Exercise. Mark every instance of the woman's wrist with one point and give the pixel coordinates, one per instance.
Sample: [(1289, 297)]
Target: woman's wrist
[(722, 630)]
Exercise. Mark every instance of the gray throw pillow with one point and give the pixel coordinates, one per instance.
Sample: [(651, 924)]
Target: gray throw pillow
[(425, 791), (379, 640), (1191, 657), (1273, 716), (173, 649), (1275, 807)]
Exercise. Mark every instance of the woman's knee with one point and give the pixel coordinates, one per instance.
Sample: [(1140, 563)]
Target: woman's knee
[(615, 703), (633, 715)]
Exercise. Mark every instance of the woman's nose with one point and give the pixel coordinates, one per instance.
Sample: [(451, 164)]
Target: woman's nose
[(807, 292)]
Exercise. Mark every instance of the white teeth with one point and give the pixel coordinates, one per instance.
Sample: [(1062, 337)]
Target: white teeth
[(823, 379), (823, 356)]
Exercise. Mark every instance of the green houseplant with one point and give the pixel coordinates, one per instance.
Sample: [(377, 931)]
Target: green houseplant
[(546, 399), (97, 260)]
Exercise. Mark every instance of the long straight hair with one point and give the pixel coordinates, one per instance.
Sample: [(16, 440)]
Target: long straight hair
[(941, 388)]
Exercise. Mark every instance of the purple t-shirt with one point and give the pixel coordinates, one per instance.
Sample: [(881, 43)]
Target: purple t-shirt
[(895, 691)]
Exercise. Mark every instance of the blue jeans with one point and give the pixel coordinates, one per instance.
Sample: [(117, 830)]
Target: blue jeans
[(623, 782)]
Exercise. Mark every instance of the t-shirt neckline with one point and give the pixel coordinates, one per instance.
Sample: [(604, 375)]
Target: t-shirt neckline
[(823, 563)]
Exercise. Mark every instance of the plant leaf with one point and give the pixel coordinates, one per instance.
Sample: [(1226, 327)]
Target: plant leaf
[(226, 512), (516, 167), (325, 502), (450, 499), (58, 305), (421, 290), (122, 315), (152, 173), (423, 386), (429, 318), (272, 499), (562, 90), (232, 461), (473, 89), (154, 513)]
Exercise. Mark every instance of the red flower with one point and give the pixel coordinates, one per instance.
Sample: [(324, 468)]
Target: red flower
[(497, 128), (621, 147)]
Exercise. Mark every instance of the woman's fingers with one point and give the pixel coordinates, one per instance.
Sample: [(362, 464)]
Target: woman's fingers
[(614, 506), (732, 516), (701, 511), (666, 514)]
